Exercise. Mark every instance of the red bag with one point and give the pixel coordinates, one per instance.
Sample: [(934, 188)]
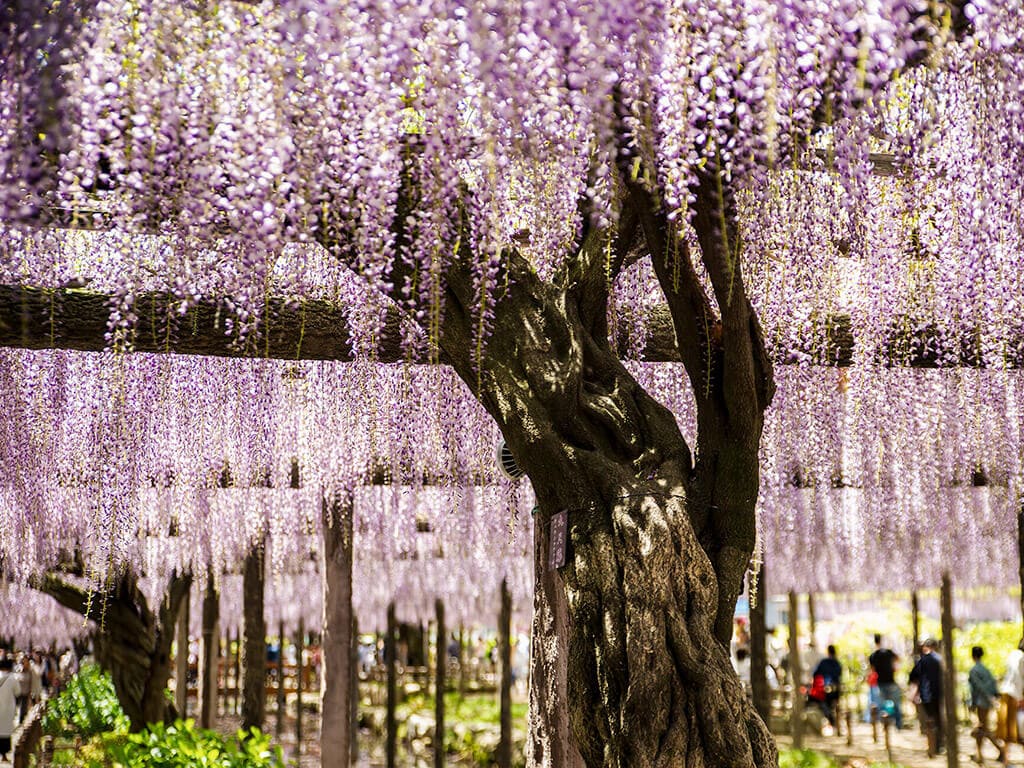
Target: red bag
[(817, 692)]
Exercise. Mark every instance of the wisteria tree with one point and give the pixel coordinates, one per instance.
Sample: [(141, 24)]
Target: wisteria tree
[(510, 176)]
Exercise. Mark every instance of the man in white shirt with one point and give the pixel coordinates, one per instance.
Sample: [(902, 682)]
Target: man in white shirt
[(8, 704), (1008, 726)]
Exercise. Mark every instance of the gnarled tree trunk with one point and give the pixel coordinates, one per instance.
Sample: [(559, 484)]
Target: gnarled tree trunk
[(658, 539), (133, 642)]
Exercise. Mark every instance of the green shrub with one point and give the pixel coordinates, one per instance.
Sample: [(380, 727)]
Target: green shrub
[(804, 758), (182, 745), (87, 706)]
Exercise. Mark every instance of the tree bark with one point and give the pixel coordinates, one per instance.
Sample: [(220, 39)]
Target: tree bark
[(337, 667), (133, 642), (254, 631), (657, 543), (760, 692), (549, 742)]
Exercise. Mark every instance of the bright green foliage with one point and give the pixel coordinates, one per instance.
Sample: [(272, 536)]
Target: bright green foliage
[(87, 706), (808, 758), (998, 638), (182, 745)]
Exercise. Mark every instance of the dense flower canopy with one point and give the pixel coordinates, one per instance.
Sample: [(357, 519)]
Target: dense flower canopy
[(123, 457), (240, 151), (236, 128)]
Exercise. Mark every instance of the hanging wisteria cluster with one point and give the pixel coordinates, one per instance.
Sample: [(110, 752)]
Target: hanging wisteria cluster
[(236, 129), (412, 546), (197, 456), (238, 152), (844, 504), (32, 619), (883, 477)]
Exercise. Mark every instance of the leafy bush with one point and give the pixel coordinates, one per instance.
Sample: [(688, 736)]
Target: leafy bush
[(87, 706), (182, 745), (809, 758)]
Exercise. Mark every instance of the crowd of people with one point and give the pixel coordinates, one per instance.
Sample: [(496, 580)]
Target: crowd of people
[(26, 678), (886, 696)]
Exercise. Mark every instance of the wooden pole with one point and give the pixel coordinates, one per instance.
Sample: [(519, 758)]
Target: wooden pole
[(1020, 558), (439, 685), (813, 620), (391, 652), (238, 670), (300, 646), (462, 660), (796, 724), (915, 624), (281, 701), (208, 655), (354, 697), (760, 693), (338, 678), (181, 659), (949, 674), (252, 642), (505, 655)]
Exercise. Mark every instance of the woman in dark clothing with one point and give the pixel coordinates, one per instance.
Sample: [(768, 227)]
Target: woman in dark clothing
[(830, 672)]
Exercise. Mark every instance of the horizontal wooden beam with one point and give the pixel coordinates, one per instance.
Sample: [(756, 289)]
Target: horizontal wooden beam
[(36, 318), (78, 319)]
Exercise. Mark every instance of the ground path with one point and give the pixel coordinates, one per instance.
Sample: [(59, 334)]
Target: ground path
[(908, 747)]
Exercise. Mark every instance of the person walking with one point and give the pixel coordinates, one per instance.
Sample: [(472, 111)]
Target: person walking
[(926, 676), (884, 662), (1011, 692), (984, 694), (8, 704), (830, 673)]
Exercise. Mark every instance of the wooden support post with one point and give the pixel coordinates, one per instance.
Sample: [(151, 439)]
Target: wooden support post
[(391, 652), (760, 693), (339, 681), (237, 671), (849, 729), (915, 618), (252, 641), (181, 659), (462, 660), (949, 674), (505, 656), (812, 618), (439, 685), (209, 654), (886, 725), (1020, 558), (354, 695), (300, 676), (281, 700), (796, 716)]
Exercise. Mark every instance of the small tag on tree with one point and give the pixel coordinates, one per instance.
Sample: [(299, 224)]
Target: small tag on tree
[(559, 534)]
